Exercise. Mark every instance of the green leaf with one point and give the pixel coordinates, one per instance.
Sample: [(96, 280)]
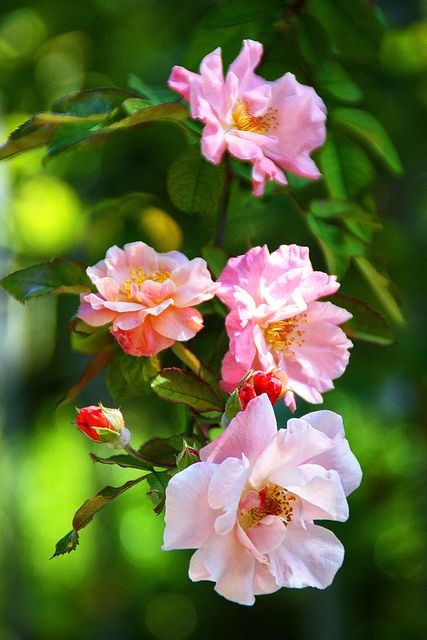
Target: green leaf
[(356, 219), (234, 12), (380, 284), (338, 244), (86, 121), (121, 460), (216, 259), (332, 77), (195, 185), (183, 387), (60, 275), (156, 95), (162, 450), (88, 510), (312, 39), (158, 482), (91, 102), (232, 408), (190, 359), (352, 26), (67, 544), (130, 376), (366, 128), (346, 169), (367, 324)]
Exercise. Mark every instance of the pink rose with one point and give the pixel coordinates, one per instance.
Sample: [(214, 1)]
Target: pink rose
[(276, 321), (270, 124), (147, 296), (249, 506)]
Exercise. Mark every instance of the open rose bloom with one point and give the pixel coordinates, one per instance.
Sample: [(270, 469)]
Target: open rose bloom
[(273, 125), (147, 296), (249, 506), (277, 321)]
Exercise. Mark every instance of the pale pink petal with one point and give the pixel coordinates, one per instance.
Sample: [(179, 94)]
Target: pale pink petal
[(213, 142), (141, 255), (232, 372), (290, 447), (264, 169), (267, 535), (258, 99), (231, 567), (225, 489), (246, 271), (107, 287), (178, 324), (142, 341), (188, 520), (152, 293), (197, 570), (264, 581), (245, 64), (308, 557), (320, 490), (180, 81), (212, 80), (193, 283), (248, 433), (340, 457), (94, 317)]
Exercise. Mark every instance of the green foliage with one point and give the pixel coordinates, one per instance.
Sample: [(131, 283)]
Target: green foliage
[(87, 511), (380, 284), (346, 169), (162, 451), (332, 77), (366, 128), (183, 387), (124, 461), (195, 185), (216, 259), (59, 275), (87, 116), (129, 376), (158, 482), (367, 324)]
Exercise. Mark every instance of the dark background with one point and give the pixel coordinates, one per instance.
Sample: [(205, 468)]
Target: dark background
[(119, 584)]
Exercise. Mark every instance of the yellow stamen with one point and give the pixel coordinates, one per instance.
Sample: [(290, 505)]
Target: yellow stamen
[(274, 501), (138, 277), (286, 333), (245, 121)]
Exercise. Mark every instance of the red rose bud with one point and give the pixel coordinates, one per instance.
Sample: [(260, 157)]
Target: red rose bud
[(187, 456), (273, 383), (101, 424)]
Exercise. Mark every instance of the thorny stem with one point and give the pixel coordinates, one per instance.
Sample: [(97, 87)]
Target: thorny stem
[(158, 463)]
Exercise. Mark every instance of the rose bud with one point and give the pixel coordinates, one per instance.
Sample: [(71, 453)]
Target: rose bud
[(101, 424), (273, 383)]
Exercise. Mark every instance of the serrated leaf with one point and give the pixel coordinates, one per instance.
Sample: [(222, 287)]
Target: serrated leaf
[(346, 169), (60, 275), (195, 185), (332, 77), (216, 259), (130, 376), (67, 544), (380, 284), (367, 324), (162, 450), (183, 387), (125, 461), (158, 482), (88, 510), (366, 128)]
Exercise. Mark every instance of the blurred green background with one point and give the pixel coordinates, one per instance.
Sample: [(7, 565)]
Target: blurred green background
[(119, 584)]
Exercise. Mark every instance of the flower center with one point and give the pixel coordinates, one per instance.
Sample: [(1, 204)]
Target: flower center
[(137, 277), (271, 500), (245, 121), (284, 334)]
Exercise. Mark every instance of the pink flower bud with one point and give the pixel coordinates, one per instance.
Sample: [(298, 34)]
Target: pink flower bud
[(103, 425)]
